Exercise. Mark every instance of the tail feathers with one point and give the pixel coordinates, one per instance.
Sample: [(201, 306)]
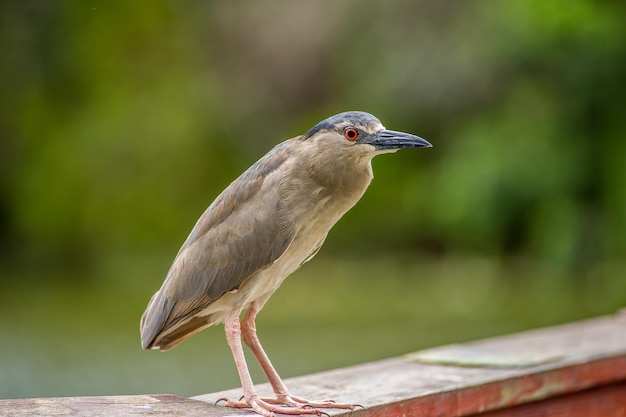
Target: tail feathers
[(180, 332), (157, 333)]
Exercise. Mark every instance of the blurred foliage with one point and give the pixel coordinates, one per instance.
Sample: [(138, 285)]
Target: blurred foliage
[(121, 122)]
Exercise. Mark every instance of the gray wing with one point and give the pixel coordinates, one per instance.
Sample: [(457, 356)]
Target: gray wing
[(241, 232)]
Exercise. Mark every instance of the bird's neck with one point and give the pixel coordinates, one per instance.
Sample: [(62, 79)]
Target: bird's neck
[(314, 182), (341, 175)]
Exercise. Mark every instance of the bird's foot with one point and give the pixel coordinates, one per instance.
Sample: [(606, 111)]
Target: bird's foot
[(294, 401), (268, 407), (286, 404)]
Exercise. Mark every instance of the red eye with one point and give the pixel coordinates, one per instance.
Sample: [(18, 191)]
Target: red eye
[(351, 134)]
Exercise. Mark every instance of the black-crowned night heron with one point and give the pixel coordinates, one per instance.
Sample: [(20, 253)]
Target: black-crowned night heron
[(261, 228)]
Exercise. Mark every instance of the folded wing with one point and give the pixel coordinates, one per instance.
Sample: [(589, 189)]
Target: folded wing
[(242, 232)]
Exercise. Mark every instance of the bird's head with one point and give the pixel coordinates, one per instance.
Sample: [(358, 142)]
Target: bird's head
[(360, 133)]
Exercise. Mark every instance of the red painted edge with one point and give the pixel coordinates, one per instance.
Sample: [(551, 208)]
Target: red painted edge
[(606, 401), (509, 392)]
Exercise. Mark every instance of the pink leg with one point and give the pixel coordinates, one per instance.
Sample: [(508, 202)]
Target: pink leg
[(248, 330), (250, 397)]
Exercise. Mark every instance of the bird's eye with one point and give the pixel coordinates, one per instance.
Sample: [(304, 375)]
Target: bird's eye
[(351, 134)]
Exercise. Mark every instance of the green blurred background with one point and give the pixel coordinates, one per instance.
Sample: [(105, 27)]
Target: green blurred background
[(120, 121)]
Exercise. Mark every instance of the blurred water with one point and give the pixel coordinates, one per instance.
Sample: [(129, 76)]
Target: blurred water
[(59, 340)]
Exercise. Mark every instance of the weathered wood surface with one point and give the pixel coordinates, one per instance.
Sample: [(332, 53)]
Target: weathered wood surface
[(580, 365), (582, 355), (110, 406)]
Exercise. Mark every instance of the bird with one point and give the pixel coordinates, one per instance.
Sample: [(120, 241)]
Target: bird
[(266, 224)]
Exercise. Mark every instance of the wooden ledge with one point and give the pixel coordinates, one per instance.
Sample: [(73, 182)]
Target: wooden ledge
[(577, 369)]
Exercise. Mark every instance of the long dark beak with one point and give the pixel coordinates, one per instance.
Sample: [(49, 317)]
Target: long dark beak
[(390, 140)]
